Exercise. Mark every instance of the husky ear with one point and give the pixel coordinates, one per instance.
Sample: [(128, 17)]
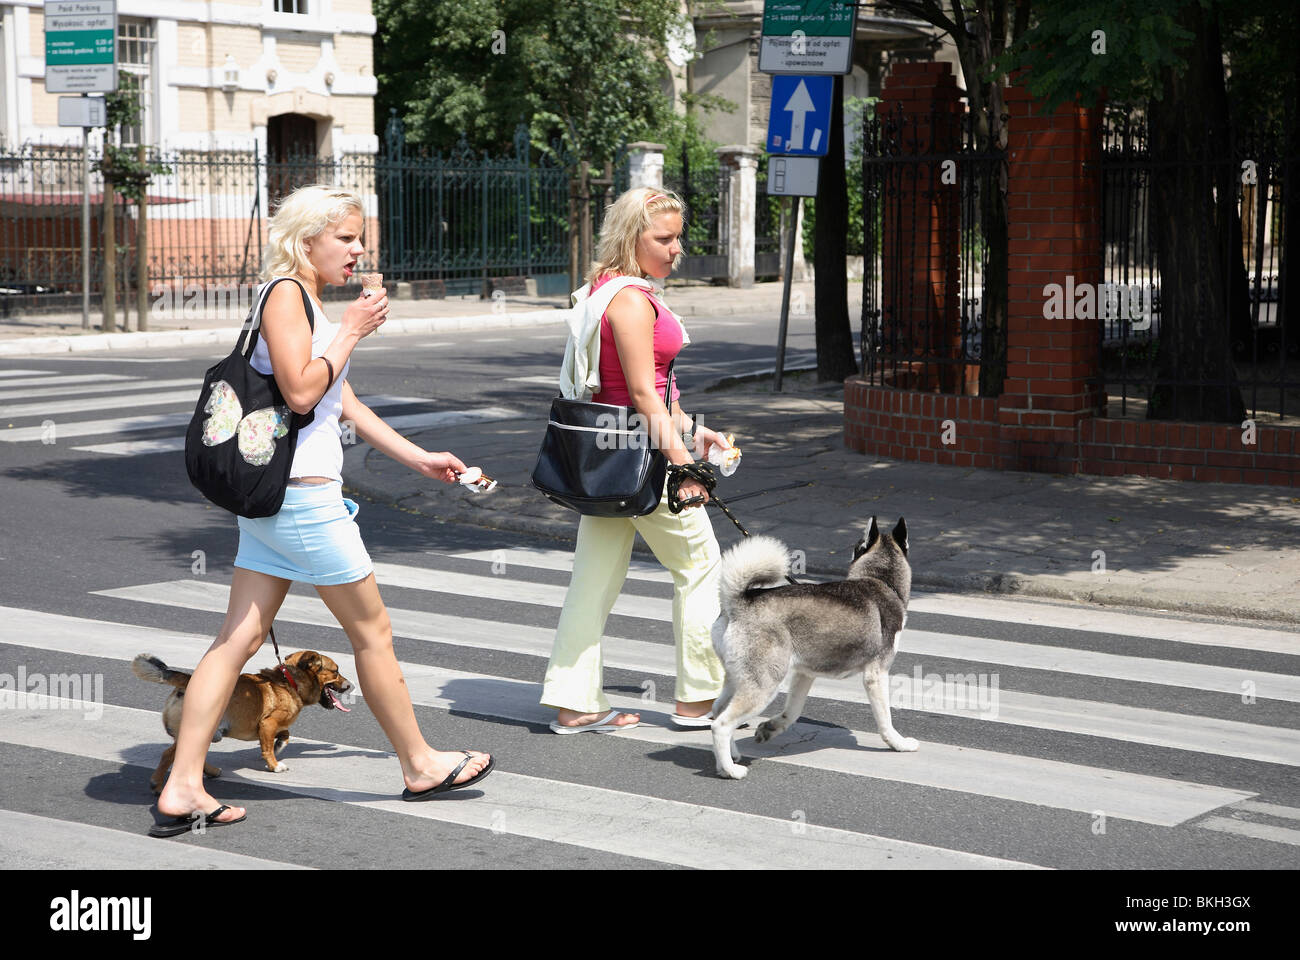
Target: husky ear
[(900, 535), (869, 536)]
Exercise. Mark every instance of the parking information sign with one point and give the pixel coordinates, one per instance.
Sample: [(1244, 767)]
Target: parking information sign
[(807, 36), (81, 46), (800, 120)]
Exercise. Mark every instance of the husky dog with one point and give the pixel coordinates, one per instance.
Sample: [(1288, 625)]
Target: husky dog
[(769, 628)]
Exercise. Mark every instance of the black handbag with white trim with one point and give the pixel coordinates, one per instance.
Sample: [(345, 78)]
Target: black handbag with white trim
[(597, 459), (240, 442)]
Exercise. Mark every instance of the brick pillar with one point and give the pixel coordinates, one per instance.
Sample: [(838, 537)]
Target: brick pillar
[(741, 163), (921, 227), (1053, 187), (645, 163)]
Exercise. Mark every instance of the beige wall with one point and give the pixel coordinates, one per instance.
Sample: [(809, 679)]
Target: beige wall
[(353, 114), (36, 31), (242, 43), (297, 56), (192, 45), (45, 106), (351, 6), (354, 54), (194, 111)]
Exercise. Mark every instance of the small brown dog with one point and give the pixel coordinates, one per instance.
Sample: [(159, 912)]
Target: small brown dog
[(262, 708)]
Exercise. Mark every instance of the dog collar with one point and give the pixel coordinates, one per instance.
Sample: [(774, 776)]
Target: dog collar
[(288, 676)]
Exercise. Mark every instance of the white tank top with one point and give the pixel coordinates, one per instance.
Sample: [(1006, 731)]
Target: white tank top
[(320, 447)]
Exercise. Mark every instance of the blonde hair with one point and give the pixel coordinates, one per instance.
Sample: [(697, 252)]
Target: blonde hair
[(303, 214), (625, 220)]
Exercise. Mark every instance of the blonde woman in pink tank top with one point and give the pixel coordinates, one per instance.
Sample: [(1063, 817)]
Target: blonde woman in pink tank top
[(639, 338)]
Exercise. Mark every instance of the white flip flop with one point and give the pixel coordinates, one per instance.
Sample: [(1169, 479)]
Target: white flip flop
[(605, 724), (691, 723)]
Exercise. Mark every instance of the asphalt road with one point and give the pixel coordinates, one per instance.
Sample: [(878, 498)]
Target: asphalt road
[(1109, 741)]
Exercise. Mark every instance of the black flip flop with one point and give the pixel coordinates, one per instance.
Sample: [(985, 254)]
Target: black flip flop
[(165, 826), (447, 784)]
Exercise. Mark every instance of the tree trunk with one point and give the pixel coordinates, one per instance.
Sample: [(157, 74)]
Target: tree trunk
[(835, 359), (1195, 378)]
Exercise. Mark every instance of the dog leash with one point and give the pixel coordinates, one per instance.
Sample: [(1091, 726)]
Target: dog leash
[(282, 668), (702, 473)]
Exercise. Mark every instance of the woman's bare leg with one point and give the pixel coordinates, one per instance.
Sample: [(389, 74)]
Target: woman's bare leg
[(255, 599), (360, 611)]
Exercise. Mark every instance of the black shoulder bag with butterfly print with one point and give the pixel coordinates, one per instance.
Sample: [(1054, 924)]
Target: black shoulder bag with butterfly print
[(240, 443)]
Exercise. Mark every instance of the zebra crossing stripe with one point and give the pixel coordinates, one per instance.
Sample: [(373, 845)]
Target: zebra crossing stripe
[(1092, 620), (555, 811), (81, 391), (91, 428), (29, 842), (1003, 610), (1022, 779), (1248, 828), (1092, 718), (52, 379), (23, 373), (47, 408), (554, 560), (1009, 653)]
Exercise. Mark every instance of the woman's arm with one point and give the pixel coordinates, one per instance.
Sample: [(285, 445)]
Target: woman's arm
[(371, 428), (302, 378)]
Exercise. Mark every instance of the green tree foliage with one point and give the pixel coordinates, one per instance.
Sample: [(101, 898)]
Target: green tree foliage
[(121, 168), (589, 74)]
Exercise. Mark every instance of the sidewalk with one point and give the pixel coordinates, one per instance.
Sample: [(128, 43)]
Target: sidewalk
[(62, 333), (1226, 550)]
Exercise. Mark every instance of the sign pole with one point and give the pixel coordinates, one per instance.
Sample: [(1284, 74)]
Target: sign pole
[(785, 294), (85, 227)]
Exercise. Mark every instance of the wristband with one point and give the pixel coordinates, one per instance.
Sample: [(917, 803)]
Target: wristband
[(330, 367)]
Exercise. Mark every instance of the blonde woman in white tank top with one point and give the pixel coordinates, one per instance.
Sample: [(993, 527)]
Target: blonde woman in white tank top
[(315, 238)]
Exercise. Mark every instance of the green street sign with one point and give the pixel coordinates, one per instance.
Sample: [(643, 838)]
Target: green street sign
[(807, 36), (81, 46)]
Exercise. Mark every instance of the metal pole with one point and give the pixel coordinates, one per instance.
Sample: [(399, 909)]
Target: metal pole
[(785, 296), (142, 253), (85, 227)]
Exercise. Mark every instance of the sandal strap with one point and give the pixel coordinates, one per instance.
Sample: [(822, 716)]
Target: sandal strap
[(451, 777), (212, 817)]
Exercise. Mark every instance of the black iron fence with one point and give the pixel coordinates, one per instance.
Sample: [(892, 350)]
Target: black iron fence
[(1154, 360), (934, 258), (459, 218), (706, 195)]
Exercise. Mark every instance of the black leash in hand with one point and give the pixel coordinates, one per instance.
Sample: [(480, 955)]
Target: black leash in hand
[(702, 473)]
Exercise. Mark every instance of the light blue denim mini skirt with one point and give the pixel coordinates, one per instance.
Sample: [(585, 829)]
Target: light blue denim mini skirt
[(313, 539)]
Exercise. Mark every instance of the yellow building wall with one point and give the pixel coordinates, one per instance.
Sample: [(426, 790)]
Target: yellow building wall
[(296, 56), (355, 54)]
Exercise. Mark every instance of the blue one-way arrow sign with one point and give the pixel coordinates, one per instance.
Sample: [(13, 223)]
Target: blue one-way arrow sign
[(799, 124)]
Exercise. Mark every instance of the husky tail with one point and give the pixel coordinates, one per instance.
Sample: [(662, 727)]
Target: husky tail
[(154, 670), (754, 562)]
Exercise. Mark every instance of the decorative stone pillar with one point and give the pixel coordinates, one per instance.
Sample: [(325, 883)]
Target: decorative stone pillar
[(645, 163), (737, 217)]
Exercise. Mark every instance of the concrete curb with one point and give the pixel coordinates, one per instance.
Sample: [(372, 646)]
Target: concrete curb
[(460, 511), (228, 335)]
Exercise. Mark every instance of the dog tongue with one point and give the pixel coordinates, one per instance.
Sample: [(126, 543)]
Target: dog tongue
[(338, 704)]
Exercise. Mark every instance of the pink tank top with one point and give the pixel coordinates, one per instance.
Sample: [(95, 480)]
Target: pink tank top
[(667, 344)]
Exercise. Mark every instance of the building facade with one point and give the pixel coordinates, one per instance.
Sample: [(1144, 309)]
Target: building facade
[(286, 75)]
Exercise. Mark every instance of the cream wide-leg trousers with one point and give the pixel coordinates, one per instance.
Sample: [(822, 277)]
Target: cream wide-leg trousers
[(684, 543)]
